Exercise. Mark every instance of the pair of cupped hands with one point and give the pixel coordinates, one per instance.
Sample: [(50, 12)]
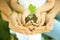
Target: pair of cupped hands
[(17, 22)]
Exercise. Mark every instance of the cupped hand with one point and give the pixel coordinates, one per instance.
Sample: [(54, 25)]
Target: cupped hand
[(24, 15), (41, 16), (13, 19), (49, 21), (16, 25), (47, 27), (38, 15)]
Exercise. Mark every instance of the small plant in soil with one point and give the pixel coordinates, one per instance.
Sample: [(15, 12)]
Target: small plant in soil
[(32, 10)]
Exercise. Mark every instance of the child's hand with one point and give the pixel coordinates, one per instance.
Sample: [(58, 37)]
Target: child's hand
[(38, 15), (24, 15), (43, 18)]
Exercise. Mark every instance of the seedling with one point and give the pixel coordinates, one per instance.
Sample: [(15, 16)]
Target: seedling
[(32, 10)]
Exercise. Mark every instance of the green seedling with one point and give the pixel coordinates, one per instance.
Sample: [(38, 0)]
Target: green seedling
[(32, 10)]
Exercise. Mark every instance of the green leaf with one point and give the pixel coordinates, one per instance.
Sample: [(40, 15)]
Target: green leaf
[(32, 10)]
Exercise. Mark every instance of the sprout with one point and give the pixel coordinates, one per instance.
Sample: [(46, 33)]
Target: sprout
[(32, 10)]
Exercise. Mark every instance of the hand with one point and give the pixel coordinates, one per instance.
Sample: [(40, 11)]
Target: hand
[(47, 27), (49, 21), (24, 15), (19, 29), (16, 25), (4, 17), (39, 29), (19, 19), (13, 19), (43, 18), (38, 15)]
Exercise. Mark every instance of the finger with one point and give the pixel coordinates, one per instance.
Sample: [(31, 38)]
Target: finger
[(39, 30), (35, 24), (49, 22), (19, 29), (19, 19), (26, 30), (49, 18), (38, 15), (43, 18), (28, 23), (13, 19), (16, 6), (4, 17), (56, 9), (24, 15), (23, 18), (4, 7), (16, 29)]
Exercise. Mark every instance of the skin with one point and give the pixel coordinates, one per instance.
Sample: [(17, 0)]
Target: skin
[(21, 9), (24, 15), (5, 9), (43, 18), (49, 19), (56, 9), (11, 18), (15, 22), (16, 6), (41, 12), (19, 29), (49, 5)]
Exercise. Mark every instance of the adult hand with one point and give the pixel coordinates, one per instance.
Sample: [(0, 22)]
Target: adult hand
[(47, 27), (16, 25)]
